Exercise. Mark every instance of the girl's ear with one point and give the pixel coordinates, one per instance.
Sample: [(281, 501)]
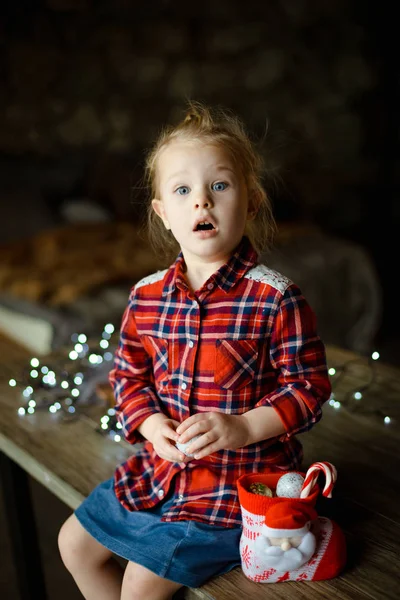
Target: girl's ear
[(254, 205), (158, 207)]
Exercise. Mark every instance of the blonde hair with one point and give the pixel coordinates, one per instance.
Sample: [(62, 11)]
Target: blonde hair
[(218, 127)]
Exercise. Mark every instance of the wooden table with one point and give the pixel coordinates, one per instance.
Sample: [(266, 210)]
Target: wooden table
[(70, 458)]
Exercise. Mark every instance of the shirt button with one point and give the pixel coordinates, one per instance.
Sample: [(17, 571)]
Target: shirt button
[(210, 286), (181, 496), (184, 386), (191, 344), (160, 493)]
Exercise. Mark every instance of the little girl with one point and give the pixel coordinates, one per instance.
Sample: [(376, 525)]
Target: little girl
[(216, 349)]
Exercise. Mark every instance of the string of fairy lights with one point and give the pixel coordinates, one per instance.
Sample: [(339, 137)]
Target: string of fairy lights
[(68, 379), (353, 396), (67, 382)]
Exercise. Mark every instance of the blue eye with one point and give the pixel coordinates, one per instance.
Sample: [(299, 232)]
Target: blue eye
[(220, 186), (183, 190)]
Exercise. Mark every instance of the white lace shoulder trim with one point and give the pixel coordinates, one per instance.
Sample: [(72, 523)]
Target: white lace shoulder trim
[(265, 275), (153, 278)]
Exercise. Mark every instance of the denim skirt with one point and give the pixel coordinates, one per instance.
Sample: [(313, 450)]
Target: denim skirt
[(186, 552)]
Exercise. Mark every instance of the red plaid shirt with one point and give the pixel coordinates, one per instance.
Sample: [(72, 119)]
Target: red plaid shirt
[(247, 338)]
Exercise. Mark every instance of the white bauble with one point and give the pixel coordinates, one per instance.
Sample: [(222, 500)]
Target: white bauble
[(183, 447), (289, 485)]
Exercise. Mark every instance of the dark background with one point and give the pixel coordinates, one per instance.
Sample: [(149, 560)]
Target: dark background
[(85, 86)]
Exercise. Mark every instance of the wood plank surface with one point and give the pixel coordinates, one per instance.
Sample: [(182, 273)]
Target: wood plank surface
[(71, 457)]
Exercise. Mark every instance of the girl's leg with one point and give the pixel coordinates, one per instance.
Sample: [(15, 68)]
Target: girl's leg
[(96, 573), (139, 583)]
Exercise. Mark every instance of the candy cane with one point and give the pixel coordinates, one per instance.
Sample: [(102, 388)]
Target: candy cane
[(312, 476)]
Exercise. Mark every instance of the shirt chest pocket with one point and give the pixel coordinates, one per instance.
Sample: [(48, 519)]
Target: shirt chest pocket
[(157, 348), (236, 363)]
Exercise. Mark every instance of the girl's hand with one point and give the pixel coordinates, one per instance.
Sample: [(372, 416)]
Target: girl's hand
[(218, 431), (164, 438), (161, 432)]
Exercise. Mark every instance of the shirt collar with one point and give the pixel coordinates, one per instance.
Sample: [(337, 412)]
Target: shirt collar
[(243, 259)]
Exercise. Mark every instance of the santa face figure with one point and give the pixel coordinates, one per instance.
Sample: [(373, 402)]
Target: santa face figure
[(285, 553)]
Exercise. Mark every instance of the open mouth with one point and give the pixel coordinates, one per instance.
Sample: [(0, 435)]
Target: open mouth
[(204, 226)]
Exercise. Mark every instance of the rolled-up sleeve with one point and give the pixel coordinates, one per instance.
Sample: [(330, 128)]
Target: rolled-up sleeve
[(132, 378), (297, 354)]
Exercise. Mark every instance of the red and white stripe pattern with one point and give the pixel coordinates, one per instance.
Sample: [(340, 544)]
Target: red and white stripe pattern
[(312, 475)]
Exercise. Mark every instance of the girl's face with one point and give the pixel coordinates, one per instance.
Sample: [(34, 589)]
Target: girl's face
[(203, 200)]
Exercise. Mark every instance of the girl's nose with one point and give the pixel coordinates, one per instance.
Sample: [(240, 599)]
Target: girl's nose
[(203, 201)]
